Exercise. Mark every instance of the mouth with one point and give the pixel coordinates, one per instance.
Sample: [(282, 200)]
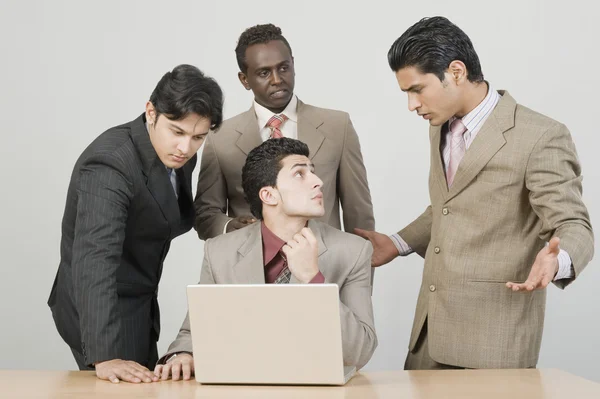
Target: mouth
[(318, 196), (178, 158), (425, 116), (281, 93)]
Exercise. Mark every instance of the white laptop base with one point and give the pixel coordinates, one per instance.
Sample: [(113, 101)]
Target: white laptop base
[(267, 334)]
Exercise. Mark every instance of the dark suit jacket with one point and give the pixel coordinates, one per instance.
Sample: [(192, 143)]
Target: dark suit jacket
[(120, 216)]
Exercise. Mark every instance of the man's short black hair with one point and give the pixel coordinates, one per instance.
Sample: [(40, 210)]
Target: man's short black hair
[(431, 45), (263, 165), (186, 90), (259, 34)]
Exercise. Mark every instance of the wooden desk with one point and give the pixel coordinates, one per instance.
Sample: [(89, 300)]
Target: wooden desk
[(463, 384)]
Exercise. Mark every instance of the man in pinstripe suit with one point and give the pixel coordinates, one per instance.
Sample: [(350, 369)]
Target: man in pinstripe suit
[(129, 196)]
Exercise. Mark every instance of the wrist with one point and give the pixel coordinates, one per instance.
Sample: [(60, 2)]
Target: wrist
[(309, 276)]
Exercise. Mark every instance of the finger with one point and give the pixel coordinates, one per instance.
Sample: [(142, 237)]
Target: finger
[(145, 376), (237, 224), (292, 244), (298, 237), (528, 285), (247, 219), (143, 372), (176, 371), (362, 233), (166, 372), (158, 370), (286, 249), (127, 376), (186, 370), (113, 378), (308, 235), (553, 246)]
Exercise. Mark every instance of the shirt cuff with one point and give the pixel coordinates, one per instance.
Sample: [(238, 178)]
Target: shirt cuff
[(225, 227), (318, 279), (403, 248), (565, 266)]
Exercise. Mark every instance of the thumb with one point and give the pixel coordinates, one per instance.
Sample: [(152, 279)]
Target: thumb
[(553, 246), (362, 233)]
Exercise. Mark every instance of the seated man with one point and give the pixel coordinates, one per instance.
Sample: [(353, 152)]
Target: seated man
[(287, 246)]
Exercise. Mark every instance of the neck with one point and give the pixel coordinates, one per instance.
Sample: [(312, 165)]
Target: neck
[(474, 95), (275, 110), (285, 227)]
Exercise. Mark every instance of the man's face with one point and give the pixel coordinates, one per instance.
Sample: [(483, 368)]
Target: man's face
[(270, 74), (176, 142), (434, 100), (299, 189)]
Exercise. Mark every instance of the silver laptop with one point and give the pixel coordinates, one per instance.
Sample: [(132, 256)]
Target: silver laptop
[(267, 334)]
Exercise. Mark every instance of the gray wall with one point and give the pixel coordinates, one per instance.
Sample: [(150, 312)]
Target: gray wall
[(72, 69)]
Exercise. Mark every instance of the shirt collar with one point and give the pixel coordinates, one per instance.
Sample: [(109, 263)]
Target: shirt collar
[(270, 242), (473, 118), (263, 114)]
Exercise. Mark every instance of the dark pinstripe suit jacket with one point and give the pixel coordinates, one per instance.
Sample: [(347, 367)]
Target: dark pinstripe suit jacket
[(120, 217)]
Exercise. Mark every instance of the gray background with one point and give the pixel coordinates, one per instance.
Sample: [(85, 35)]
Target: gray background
[(72, 69)]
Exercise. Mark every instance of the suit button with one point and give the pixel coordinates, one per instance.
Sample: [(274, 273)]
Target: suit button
[(432, 288), (445, 211), (436, 250)]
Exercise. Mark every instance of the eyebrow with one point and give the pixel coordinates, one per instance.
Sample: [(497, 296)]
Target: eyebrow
[(268, 67), (303, 165), (179, 129), (413, 88)]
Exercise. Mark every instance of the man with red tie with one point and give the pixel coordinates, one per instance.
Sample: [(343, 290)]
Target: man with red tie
[(266, 65)]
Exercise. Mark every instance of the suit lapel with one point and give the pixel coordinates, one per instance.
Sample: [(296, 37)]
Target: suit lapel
[(157, 179), (488, 142), (250, 268), (308, 123), (249, 132), (437, 166), (184, 175), (316, 229)]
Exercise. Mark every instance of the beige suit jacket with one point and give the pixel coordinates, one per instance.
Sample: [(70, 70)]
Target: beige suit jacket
[(518, 185), (344, 259), (334, 149)]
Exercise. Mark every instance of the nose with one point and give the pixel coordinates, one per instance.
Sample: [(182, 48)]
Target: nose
[(276, 78), (413, 102), (317, 183), (184, 145)]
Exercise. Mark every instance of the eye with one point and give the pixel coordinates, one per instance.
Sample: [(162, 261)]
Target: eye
[(177, 133), (199, 138), (263, 74), (299, 174), (283, 68)]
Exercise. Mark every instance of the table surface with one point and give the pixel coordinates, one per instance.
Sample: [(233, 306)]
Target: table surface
[(464, 384)]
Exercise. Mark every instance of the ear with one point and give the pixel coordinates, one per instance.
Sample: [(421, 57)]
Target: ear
[(150, 113), (269, 196), (243, 80), (458, 71)]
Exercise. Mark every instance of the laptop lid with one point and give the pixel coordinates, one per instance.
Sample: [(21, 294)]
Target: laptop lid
[(267, 334)]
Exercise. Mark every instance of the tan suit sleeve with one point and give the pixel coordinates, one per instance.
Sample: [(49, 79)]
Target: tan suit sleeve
[(418, 233), (353, 187), (356, 312), (183, 342), (211, 194), (553, 178)]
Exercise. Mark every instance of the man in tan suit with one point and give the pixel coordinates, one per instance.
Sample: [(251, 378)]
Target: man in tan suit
[(287, 246), (504, 181), (267, 68)]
